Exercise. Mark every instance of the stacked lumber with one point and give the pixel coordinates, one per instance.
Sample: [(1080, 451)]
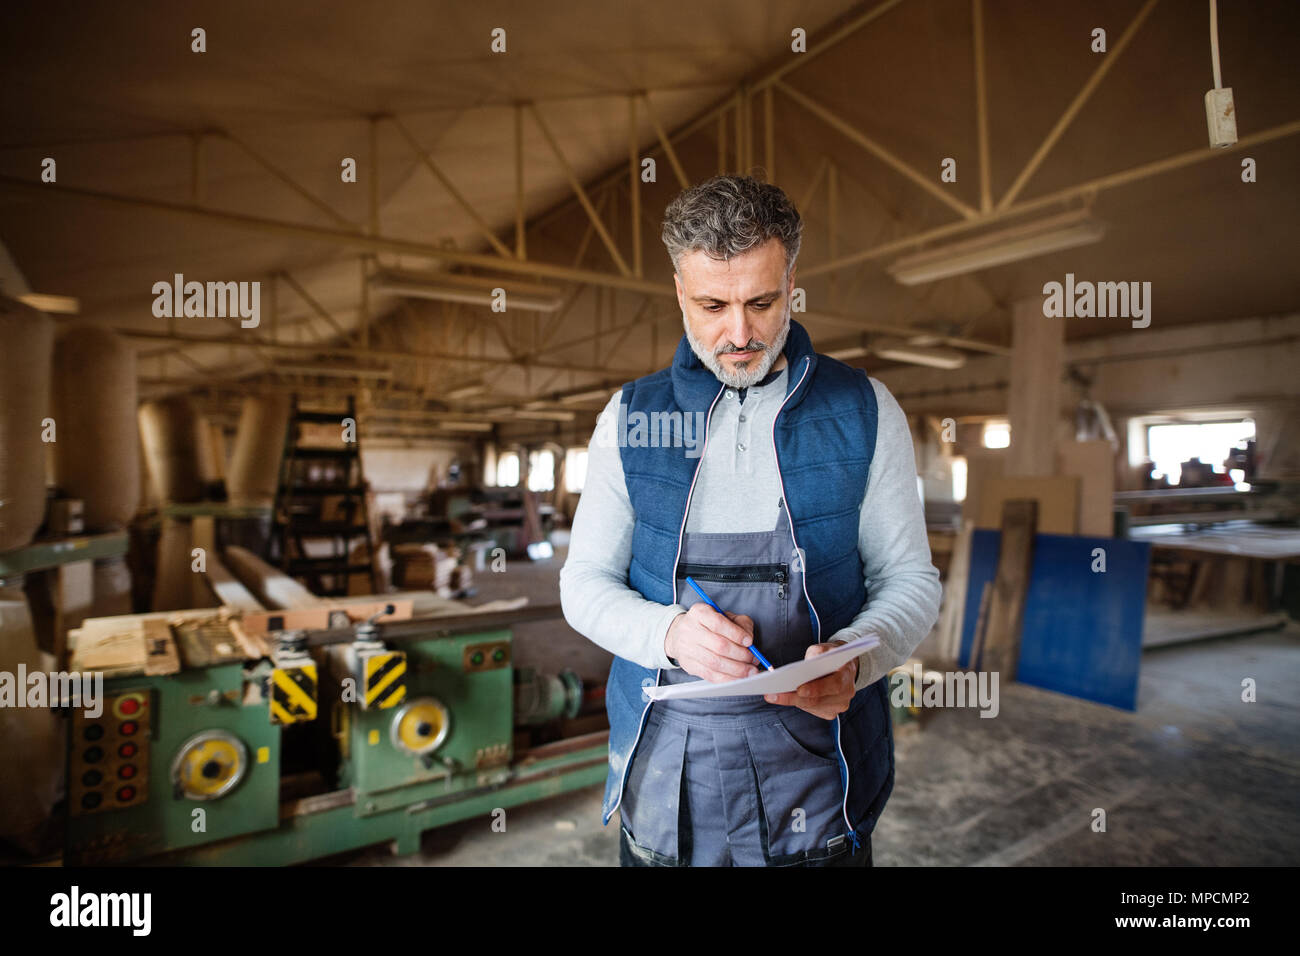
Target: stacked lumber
[(428, 567)]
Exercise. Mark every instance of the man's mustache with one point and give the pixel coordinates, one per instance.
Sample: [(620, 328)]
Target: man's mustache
[(754, 345)]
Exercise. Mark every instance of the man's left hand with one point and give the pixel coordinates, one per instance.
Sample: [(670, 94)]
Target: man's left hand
[(826, 697)]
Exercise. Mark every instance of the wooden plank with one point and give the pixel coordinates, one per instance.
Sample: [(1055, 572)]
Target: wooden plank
[(1093, 463), (203, 534), (954, 596), (318, 618), (1011, 586), (228, 589), (272, 586), (119, 650), (116, 645), (161, 656), (1057, 498), (982, 466)]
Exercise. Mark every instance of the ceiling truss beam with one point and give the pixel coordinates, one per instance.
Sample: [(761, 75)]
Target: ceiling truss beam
[(1061, 196), (1063, 122), (484, 229), (348, 239)]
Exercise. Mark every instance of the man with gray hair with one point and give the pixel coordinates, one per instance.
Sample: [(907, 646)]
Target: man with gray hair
[(801, 521)]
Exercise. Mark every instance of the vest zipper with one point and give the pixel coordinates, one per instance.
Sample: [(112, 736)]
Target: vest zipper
[(690, 493), (622, 780)]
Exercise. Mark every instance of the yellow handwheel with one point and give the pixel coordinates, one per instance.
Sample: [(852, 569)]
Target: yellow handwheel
[(421, 726), (209, 765)]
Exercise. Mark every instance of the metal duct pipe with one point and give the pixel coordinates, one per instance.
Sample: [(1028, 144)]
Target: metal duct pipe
[(259, 445), (170, 431), (94, 399), (24, 394)]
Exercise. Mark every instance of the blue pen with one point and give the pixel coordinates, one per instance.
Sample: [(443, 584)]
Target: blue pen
[(708, 600)]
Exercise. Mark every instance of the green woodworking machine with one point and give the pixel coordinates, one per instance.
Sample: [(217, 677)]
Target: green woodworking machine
[(322, 740)]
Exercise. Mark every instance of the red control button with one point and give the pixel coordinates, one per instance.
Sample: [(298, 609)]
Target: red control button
[(125, 793), (127, 750), (129, 706), (126, 771), (129, 727)]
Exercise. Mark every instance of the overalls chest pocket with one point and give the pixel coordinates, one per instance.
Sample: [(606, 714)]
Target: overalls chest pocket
[(757, 574), (758, 591)]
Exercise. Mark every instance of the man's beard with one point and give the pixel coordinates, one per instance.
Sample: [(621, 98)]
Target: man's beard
[(751, 372)]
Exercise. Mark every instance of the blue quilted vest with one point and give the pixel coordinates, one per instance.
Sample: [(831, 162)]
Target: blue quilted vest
[(824, 436)]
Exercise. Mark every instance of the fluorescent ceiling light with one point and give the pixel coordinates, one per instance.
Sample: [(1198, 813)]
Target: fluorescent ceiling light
[(542, 416), (472, 290), (849, 347), (920, 355), (996, 435), (852, 352), (467, 391), (464, 426), (460, 280), (412, 290), (591, 395), (1023, 241), (920, 349), (62, 304)]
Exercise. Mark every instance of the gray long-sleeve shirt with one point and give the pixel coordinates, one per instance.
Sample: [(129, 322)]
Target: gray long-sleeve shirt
[(738, 490)]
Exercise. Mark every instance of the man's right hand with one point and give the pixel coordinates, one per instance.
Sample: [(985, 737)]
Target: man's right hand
[(711, 646)]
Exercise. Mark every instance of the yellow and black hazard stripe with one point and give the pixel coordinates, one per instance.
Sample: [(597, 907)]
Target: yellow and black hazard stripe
[(293, 694), (384, 685)]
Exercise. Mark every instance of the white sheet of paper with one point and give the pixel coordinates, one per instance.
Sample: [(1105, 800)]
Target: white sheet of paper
[(781, 680)]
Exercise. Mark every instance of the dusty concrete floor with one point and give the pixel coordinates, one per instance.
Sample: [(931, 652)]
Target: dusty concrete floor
[(1196, 776)]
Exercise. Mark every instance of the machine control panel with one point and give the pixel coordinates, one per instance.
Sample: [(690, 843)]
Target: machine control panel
[(108, 764)]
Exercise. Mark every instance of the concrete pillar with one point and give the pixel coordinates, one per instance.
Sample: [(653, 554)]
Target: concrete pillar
[(1034, 390), (1277, 440)]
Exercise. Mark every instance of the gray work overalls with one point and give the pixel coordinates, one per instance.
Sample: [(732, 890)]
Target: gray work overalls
[(736, 781)]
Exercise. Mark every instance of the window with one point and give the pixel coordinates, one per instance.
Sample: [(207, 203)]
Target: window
[(508, 469), (1171, 445), (997, 435), (575, 470), (959, 479), (541, 470)]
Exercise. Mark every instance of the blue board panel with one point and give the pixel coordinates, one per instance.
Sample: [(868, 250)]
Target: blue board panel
[(1082, 631)]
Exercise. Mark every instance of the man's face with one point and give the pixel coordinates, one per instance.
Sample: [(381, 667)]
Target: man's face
[(736, 311)]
